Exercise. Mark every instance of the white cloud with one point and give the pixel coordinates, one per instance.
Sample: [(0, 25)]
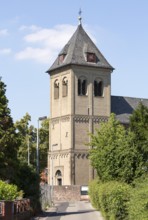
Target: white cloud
[(5, 51), (3, 32), (37, 54), (43, 45), (31, 28)]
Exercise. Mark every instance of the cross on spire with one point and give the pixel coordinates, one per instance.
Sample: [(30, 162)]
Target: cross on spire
[(80, 18)]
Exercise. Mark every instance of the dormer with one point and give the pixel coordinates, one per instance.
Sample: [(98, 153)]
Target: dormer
[(91, 57)]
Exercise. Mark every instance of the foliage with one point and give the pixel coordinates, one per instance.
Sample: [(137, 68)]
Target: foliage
[(28, 180), (111, 198), (138, 205), (9, 191), (139, 125), (44, 143), (113, 153), (8, 138), (28, 141), (93, 193), (114, 197)]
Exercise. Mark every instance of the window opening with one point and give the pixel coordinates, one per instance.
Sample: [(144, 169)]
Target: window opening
[(61, 58), (91, 57), (82, 86), (65, 87), (98, 88), (56, 89)]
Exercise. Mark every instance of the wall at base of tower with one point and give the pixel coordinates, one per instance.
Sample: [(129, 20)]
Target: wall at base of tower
[(59, 168), (81, 169)]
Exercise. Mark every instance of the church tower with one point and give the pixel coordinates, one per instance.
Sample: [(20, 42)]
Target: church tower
[(80, 94)]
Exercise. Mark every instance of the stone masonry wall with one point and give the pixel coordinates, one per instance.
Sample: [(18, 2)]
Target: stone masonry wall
[(67, 193)]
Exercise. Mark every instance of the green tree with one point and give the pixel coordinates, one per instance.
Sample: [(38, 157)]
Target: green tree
[(27, 139), (8, 138), (139, 125), (44, 143), (113, 153)]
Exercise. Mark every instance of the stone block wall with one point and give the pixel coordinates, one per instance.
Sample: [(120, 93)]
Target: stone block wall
[(66, 193)]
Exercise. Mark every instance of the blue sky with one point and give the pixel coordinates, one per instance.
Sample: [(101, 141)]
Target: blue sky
[(32, 33)]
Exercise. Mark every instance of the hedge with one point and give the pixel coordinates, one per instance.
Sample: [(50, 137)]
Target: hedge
[(138, 205), (111, 198)]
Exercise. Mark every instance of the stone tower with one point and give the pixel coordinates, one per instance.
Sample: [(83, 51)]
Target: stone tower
[(80, 84)]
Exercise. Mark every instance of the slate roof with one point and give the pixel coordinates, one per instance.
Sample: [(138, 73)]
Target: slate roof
[(124, 106), (76, 49)]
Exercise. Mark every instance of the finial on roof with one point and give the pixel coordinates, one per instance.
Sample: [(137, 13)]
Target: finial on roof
[(80, 18)]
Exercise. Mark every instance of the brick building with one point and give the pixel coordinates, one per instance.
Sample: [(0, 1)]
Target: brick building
[(80, 99)]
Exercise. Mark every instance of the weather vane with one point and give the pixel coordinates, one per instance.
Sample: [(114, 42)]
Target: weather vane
[(80, 18)]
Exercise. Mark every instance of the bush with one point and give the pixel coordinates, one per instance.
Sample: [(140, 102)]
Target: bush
[(111, 198), (28, 180), (138, 205), (9, 191), (114, 197), (93, 193)]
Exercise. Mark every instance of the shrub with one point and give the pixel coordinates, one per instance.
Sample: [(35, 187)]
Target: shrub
[(114, 197), (9, 191), (111, 198), (138, 205), (94, 193)]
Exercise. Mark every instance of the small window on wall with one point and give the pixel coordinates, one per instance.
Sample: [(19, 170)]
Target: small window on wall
[(65, 87), (61, 58), (98, 88), (91, 57), (82, 86), (56, 89)]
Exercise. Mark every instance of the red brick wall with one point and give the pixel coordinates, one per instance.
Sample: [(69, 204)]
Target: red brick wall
[(8, 212)]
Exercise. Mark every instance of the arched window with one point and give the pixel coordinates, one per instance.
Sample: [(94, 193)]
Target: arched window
[(64, 87), (59, 177), (98, 87), (82, 86), (56, 89)]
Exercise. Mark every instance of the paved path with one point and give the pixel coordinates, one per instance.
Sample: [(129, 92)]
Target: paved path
[(81, 210)]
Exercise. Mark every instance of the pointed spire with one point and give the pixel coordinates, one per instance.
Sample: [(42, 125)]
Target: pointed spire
[(80, 18)]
